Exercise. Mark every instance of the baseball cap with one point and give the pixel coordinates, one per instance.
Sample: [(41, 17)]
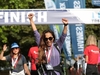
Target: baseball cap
[(14, 45)]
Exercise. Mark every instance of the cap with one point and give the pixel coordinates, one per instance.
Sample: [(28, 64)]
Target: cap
[(14, 45)]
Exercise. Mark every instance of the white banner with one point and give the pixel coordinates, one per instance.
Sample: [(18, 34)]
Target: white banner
[(43, 16)]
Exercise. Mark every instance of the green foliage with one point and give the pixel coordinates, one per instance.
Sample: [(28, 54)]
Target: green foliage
[(15, 4), (23, 34), (92, 29), (88, 4), (17, 32)]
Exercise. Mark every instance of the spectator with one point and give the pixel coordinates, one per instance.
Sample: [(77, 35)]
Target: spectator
[(91, 53), (33, 56), (16, 59)]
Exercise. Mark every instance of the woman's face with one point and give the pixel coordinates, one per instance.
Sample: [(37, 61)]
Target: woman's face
[(49, 39), (15, 50)]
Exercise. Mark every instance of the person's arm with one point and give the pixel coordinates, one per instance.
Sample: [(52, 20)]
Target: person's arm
[(86, 58), (86, 53), (30, 16), (61, 40), (65, 22), (36, 33), (2, 53), (26, 69), (86, 50)]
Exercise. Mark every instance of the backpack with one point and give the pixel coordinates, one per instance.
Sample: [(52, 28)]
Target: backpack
[(61, 64), (57, 47)]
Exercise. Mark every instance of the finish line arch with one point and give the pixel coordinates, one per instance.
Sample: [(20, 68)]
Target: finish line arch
[(43, 16)]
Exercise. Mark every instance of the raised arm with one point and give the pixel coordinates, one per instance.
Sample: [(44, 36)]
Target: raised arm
[(2, 52), (30, 16), (65, 22), (64, 33), (36, 33)]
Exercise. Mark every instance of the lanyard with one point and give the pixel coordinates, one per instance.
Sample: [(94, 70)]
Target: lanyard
[(14, 62), (48, 54)]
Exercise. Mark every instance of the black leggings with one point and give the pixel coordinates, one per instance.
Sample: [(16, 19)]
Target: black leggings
[(91, 69)]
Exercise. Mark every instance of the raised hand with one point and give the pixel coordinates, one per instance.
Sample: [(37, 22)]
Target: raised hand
[(4, 47), (65, 21), (30, 16)]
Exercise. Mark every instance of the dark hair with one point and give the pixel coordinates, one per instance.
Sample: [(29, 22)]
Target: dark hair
[(43, 46)]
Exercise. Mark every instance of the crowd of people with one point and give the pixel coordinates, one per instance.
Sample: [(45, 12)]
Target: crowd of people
[(45, 56), (89, 63), (48, 61)]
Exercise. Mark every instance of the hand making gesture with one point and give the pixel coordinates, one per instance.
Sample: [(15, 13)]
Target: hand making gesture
[(65, 21), (4, 47), (30, 16)]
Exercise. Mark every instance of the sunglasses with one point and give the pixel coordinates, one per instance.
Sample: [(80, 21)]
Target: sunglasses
[(50, 38)]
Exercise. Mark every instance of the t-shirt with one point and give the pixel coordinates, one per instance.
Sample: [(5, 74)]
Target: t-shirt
[(20, 64), (33, 55), (92, 52), (99, 58)]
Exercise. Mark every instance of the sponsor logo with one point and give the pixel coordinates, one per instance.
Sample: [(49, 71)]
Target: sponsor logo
[(95, 51), (50, 4), (96, 17), (35, 52), (76, 4), (62, 5)]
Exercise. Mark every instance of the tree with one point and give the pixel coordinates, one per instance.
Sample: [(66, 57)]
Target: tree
[(93, 28), (18, 33), (22, 34)]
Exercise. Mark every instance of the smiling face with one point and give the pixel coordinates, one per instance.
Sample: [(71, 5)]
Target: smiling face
[(15, 51), (48, 39)]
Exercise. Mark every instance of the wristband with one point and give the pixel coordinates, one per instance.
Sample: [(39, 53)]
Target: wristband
[(65, 24)]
